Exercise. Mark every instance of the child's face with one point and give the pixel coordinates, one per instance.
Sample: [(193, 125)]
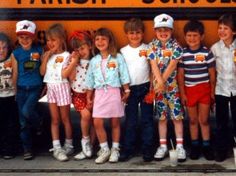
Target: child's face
[(3, 50), (225, 33), (54, 44), (25, 41), (163, 34), (135, 37), (101, 42), (84, 51), (193, 39)]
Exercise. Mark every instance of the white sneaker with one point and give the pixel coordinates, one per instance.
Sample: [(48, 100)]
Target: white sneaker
[(181, 154), (103, 157), (69, 149), (59, 154), (80, 156), (161, 153), (86, 148), (115, 154)]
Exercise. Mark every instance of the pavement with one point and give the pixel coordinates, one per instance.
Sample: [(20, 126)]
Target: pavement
[(45, 164)]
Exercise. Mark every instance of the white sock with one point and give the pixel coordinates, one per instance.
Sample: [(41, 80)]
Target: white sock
[(69, 142), (104, 146), (85, 139), (56, 144), (115, 144)]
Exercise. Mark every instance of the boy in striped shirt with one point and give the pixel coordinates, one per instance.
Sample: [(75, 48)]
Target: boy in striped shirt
[(196, 78)]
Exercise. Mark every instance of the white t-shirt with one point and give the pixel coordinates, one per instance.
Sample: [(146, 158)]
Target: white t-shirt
[(54, 68), (225, 68), (138, 65), (6, 85), (78, 84)]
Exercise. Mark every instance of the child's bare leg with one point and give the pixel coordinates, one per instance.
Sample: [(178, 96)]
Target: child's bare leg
[(85, 122), (65, 117), (115, 124), (55, 120), (100, 130), (162, 124), (193, 122), (204, 110)]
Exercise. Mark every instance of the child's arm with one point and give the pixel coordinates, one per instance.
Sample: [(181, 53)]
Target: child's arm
[(212, 77), (72, 65), (180, 79), (157, 76), (14, 71), (89, 99), (126, 93), (44, 59), (169, 70)]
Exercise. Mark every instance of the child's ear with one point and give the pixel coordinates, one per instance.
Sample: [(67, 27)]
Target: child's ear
[(202, 37)]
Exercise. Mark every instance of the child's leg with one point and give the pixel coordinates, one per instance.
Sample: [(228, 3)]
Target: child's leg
[(65, 117), (115, 124), (193, 122), (85, 122), (55, 120), (203, 110), (104, 153)]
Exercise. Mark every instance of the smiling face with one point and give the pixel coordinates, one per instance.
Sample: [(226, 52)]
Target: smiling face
[(225, 33), (101, 43), (135, 38), (25, 41), (193, 39), (3, 50), (84, 51), (54, 44), (163, 34)]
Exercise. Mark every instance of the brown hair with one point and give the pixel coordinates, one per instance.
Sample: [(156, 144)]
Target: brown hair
[(57, 30), (133, 24), (112, 48), (228, 20)]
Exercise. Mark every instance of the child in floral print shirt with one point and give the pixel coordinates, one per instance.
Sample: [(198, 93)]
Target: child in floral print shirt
[(164, 53)]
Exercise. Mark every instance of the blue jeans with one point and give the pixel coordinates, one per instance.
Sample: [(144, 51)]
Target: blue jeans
[(136, 98), (27, 99)]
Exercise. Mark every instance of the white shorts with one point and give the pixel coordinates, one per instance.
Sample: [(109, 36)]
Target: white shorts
[(59, 94)]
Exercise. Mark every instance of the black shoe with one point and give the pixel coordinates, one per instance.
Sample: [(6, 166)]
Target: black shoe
[(220, 156), (195, 152), (208, 153), (125, 156), (148, 156), (28, 155)]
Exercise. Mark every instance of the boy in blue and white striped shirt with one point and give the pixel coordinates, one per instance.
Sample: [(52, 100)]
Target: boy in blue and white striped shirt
[(196, 78)]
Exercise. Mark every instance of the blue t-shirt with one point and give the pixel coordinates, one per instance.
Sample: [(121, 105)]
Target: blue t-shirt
[(28, 62)]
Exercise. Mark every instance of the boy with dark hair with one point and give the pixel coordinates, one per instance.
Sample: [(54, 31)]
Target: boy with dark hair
[(196, 78)]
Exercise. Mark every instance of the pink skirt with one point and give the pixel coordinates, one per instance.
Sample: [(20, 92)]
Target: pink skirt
[(107, 103)]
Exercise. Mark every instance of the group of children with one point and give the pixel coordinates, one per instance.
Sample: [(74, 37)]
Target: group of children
[(105, 84)]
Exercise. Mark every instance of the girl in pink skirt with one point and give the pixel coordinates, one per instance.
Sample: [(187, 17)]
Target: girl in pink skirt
[(107, 73)]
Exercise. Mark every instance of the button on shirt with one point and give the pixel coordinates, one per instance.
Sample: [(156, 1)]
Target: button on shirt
[(225, 67)]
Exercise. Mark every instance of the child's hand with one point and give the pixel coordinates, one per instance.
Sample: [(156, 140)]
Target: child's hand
[(159, 86), (74, 57), (125, 96), (47, 54), (89, 105)]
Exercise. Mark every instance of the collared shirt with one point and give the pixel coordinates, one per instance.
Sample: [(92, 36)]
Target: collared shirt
[(116, 72), (164, 54), (225, 68)]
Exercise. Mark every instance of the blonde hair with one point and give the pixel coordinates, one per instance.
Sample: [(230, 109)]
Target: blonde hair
[(57, 30), (112, 47)]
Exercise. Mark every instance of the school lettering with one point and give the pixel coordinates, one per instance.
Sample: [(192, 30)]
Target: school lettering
[(185, 1), (61, 1)]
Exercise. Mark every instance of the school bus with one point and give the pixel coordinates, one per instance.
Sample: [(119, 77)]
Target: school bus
[(92, 14)]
